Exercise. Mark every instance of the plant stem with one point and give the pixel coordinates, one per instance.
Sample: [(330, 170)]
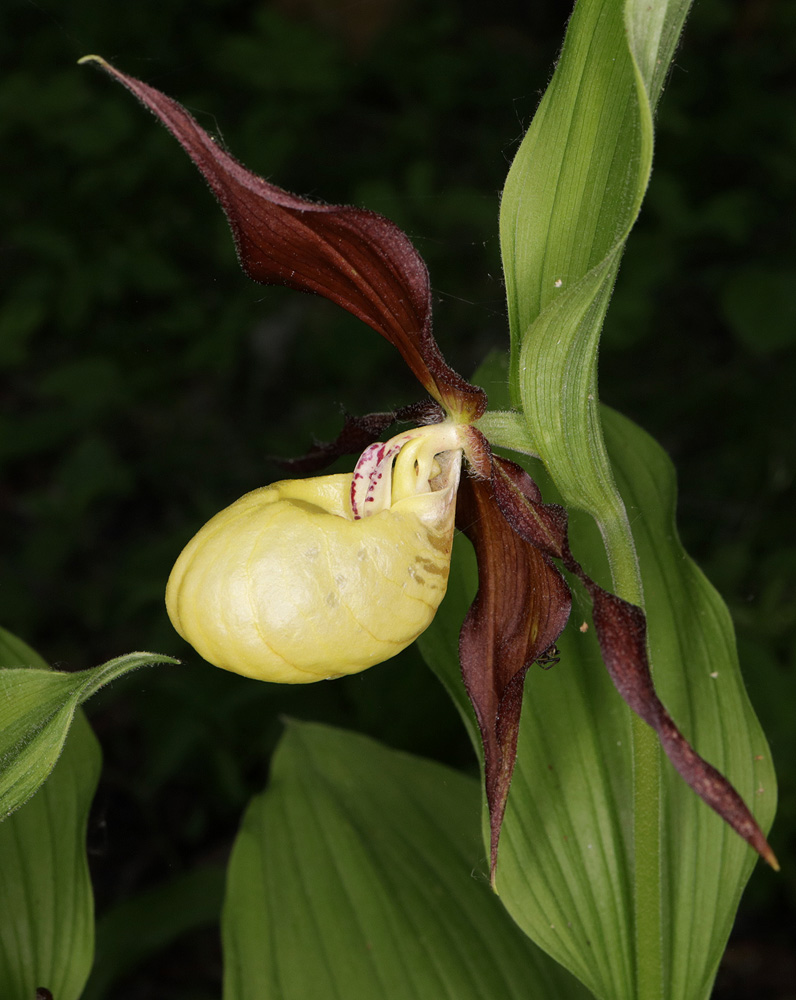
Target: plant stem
[(507, 429), (646, 755), (647, 861)]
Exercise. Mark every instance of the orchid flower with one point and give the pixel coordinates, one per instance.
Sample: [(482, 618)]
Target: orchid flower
[(311, 579)]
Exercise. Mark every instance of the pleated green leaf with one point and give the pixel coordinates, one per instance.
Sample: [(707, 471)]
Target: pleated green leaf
[(565, 867), (571, 197), (360, 874), (37, 706), (46, 903)]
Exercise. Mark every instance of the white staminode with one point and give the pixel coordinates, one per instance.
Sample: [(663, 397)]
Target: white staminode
[(401, 467)]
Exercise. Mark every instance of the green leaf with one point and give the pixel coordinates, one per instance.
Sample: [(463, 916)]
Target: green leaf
[(573, 781), (37, 706), (571, 197), (46, 903), (565, 867), (355, 876)]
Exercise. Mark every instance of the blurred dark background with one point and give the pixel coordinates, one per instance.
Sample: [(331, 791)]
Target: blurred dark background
[(146, 383)]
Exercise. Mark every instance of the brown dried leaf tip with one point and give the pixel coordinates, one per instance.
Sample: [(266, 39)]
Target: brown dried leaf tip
[(368, 266)]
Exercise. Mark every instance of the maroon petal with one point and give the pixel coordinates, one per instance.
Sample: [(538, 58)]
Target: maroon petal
[(358, 433), (506, 629), (353, 257), (622, 633)]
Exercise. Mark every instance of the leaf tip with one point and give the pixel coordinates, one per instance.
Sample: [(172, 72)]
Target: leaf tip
[(83, 60), (768, 855)]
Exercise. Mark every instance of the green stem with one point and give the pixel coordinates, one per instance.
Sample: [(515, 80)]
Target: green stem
[(646, 756), (647, 861), (507, 429)]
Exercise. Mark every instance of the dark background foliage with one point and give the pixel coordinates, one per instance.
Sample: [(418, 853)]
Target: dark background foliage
[(146, 383)]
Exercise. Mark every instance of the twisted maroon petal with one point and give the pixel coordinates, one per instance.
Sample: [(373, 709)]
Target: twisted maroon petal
[(622, 633), (353, 257), (506, 629)]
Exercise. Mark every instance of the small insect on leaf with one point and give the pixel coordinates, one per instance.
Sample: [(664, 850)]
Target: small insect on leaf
[(549, 658)]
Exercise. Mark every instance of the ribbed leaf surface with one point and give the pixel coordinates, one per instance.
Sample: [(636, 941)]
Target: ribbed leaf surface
[(360, 874), (565, 860), (46, 902), (571, 197), (37, 706)]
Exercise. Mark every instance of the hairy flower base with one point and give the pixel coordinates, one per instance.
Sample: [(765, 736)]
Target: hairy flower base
[(290, 584)]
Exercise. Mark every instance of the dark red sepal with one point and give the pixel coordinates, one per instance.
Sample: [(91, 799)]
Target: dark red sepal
[(521, 608), (354, 257), (622, 634), (358, 433)]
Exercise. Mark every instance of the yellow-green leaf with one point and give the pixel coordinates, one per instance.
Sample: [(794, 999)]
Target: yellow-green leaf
[(46, 902), (566, 859), (37, 706), (360, 874)]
